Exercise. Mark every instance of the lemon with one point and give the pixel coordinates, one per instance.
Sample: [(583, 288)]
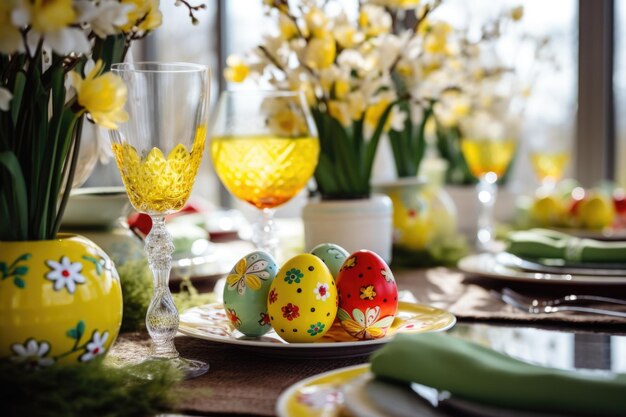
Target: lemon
[(547, 211), (596, 213)]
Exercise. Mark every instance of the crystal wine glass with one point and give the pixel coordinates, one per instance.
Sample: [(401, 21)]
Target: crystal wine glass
[(158, 152), (264, 148), (549, 155), (488, 145)]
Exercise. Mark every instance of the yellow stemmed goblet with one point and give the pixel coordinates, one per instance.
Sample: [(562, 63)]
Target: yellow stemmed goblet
[(264, 148), (550, 150), (488, 145), (158, 152)]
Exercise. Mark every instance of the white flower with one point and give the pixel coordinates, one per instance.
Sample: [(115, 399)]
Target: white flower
[(68, 40), (5, 99), (321, 291), (397, 119), (374, 20), (95, 347), (65, 274), (389, 48), (52, 21), (32, 353), (104, 17)]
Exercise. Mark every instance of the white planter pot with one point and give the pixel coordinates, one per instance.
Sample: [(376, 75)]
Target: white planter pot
[(351, 224), (466, 202)]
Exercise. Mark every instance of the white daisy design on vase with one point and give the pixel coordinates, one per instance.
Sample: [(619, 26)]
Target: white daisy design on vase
[(32, 354), (65, 274), (95, 347), (321, 291)]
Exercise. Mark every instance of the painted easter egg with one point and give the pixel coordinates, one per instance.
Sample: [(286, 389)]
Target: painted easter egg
[(332, 255), (368, 295), (245, 293), (302, 301)]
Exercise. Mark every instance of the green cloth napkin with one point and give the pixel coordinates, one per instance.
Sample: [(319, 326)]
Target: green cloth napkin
[(485, 376), (542, 243)]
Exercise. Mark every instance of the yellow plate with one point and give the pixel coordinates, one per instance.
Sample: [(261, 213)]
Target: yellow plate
[(209, 322), (320, 395)]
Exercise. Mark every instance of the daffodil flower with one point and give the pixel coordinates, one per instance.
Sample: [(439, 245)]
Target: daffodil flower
[(374, 20), (101, 95), (105, 16), (143, 17), (237, 70), (52, 20), (320, 52)]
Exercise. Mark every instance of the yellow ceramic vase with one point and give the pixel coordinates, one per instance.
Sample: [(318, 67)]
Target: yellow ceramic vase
[(424, 216), (60, 301)]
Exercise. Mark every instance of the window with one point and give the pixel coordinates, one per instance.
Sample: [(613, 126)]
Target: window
[(234, 26)]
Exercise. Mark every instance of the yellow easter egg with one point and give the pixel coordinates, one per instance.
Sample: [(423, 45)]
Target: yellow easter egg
[(548, 211), (596, 213), (302, 302)]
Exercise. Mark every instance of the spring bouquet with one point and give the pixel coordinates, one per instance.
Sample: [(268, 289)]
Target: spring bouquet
[(488, 92), (55, 57), (348, 70)]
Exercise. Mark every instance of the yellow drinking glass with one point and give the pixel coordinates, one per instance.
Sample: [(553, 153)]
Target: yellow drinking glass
[(550, 150), (265, 149), (158, 152), (487, 159)]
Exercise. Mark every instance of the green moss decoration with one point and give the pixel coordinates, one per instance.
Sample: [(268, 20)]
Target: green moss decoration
[(188, 296), (89, 389), (136, 280), (446, 252)]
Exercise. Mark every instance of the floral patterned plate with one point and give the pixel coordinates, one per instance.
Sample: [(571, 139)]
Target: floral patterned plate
[(210, 322), (320, 395)]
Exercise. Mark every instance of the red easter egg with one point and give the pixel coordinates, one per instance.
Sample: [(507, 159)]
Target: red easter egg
[(368, 295)]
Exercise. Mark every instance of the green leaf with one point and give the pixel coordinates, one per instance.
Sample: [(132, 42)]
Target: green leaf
[(326, 181), (20, 270), (372, 146), (72, 333), (80, 328), (396, 139), (418, 141), (3, 269), (24, 257), (18, 92), (14, 180), (19, 282)]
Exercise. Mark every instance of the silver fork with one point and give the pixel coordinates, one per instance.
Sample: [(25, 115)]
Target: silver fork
[(571, 299), (532, 309)]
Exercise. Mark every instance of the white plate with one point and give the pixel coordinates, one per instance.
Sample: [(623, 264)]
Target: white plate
[(487, 265), (209, 322), (606, 234), (548, 266)]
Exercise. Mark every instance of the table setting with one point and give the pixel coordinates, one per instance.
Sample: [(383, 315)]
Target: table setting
[(144, 299)]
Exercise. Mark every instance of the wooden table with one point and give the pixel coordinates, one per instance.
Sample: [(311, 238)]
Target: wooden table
[(241, 382)]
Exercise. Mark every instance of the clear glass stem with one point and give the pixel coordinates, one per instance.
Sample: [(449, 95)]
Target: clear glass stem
[(487, 192), (264, 232), (548, 185), (162, 317)]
